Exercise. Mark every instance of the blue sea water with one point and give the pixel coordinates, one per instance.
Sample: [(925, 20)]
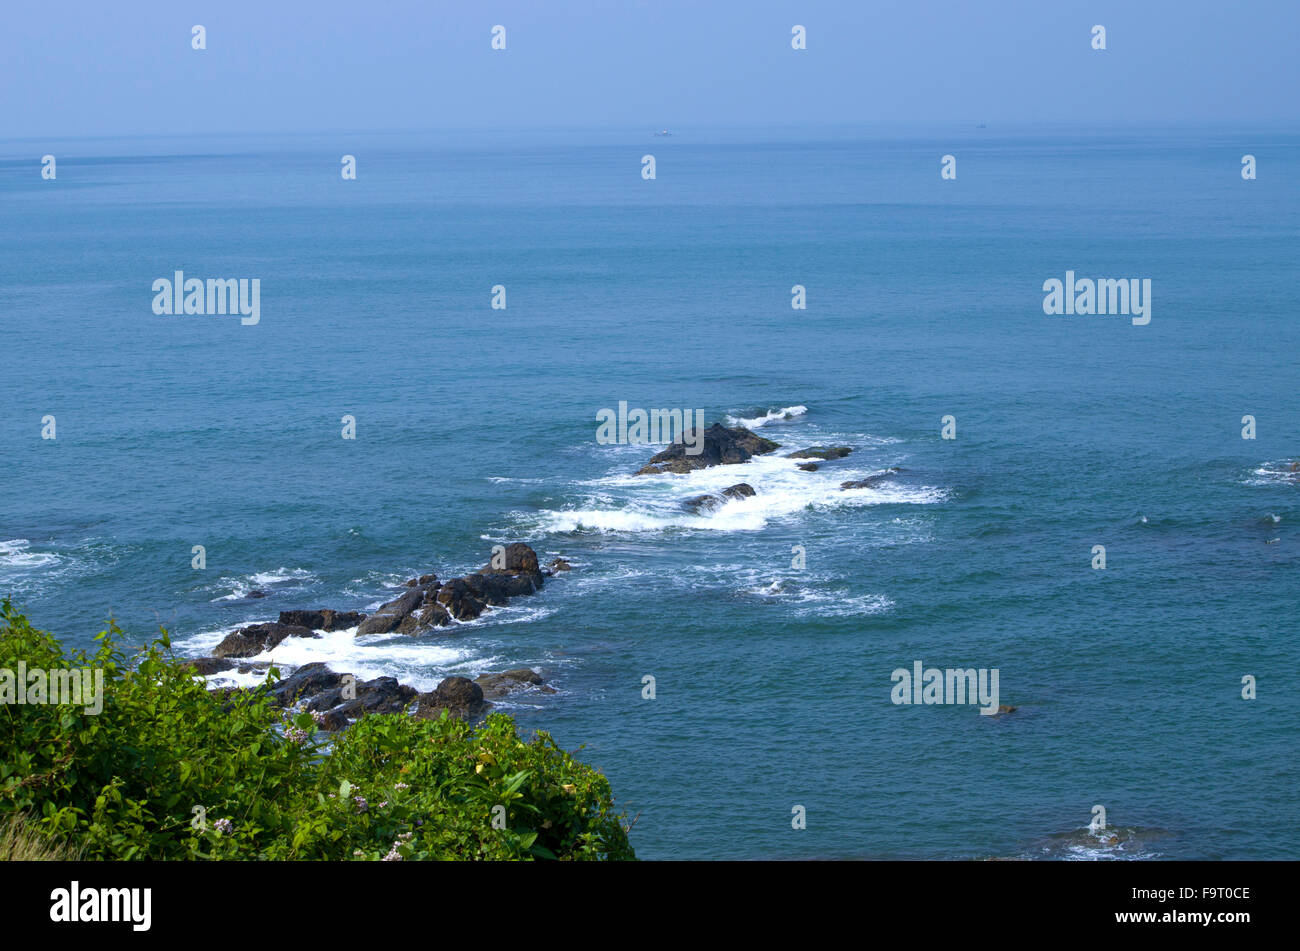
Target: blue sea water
[(476, 426)]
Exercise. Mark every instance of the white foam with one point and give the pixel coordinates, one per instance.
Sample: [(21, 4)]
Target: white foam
[(656, 503), (242, 587), (15, 554), (786, 412)]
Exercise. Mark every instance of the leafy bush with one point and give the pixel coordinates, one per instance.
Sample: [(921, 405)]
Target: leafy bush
[(171, 770)]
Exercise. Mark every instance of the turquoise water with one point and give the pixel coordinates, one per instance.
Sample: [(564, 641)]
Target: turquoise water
[(476, 426)]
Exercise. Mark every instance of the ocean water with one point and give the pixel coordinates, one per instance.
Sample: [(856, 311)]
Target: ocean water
[(476, 426)]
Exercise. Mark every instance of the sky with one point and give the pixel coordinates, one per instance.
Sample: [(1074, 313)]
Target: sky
[(82, 68)]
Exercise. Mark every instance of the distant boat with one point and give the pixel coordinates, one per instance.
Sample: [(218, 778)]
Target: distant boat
[(663, 132)]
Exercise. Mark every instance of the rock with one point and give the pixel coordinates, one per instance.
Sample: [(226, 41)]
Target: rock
[(821, 452), (256, 638), (518, 559), (809, 466), (559, 564), (333, 721), (1004, 708), (721, 446), (323, 620), (459, 600), (498, 685), (498, 588), (259, 593), (390, 615), (205, 666), (459, 696), (422, 581), (741, 490), (871, 481), (321, 691), (307, 681), (710, 501), (433, 614)]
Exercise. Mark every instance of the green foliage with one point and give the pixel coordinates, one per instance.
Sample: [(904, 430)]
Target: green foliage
[(169, 769)]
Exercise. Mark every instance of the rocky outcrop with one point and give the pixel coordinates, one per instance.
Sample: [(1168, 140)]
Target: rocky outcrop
[(428, 604), (424, 605), (339, 698), (459, 696), (720, 447), (322, 620), (821, 452), (391, 615), (495, 686), (809, 466), (256, 638)]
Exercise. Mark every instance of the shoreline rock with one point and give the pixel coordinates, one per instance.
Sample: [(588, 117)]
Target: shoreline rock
[(720, 446)]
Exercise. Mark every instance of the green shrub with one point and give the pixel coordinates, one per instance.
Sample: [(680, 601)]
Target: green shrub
[(171, 770)]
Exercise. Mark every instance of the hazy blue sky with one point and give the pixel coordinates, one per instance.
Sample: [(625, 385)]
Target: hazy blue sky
[(126, 67)]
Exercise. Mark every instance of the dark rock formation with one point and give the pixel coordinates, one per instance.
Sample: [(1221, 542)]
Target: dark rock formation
[(340, 697), (559, 564), (322, 620), (391, 615), (741, 490), (459, 600), (427, 604), (821, 452), (256, 638), (307, 681), (206, 666), (709, 501), (721, 446), (459, 696), (809, 466)]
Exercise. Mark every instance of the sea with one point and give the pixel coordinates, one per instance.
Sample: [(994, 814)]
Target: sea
[(731, 669)]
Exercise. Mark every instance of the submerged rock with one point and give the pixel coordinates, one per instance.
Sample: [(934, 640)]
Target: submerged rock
[(741, 490), (720, 446), (871, 482), (495, 686), (809, 466), (821, 452)]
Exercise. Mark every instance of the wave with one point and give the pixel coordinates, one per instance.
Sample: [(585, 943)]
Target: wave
[(772, 415), (16, 556), (1096, 845), (241, 588), (636, 504), (1275, 473)]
